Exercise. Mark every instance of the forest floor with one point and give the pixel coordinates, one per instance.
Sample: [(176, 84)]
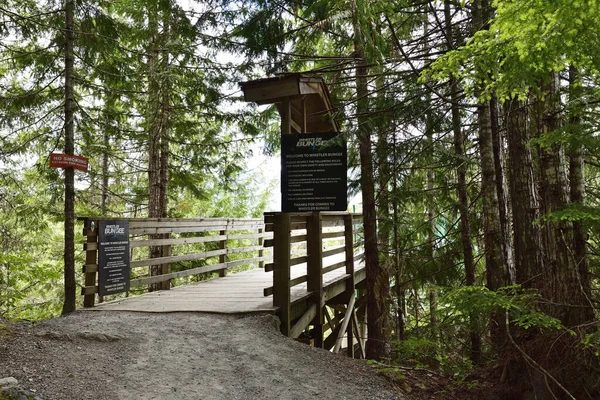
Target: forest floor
[(121, 355)]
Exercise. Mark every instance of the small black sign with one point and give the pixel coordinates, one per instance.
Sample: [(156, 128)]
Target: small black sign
[(313, 172), (113, 257)]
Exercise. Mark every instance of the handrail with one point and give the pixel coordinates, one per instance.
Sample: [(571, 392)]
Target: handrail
[(203, 244), (322, 236)]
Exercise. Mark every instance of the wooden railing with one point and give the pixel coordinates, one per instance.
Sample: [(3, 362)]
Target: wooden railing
[(314, 258), (193, 247)]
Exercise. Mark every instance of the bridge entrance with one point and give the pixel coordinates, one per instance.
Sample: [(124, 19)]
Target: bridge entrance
[(306, 268)]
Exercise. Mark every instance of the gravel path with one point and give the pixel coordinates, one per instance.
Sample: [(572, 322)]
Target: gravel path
[(122, 355)]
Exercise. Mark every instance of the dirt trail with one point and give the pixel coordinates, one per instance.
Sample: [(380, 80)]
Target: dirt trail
[(122, 355)]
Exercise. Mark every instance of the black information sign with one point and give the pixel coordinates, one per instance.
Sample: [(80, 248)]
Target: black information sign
[(313, 172), (113, 257)]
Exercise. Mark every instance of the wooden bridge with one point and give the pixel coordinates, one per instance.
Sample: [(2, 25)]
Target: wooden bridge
[(304, 267)]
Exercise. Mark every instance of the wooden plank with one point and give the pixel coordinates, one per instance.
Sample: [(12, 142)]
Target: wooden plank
[(90, 246), (223, 257), (247, 249), (293, 227), (180, 274), (333, 267), (298, 280), (315, 271), (350, 284), (298, 260), (89, 268), (281, 272), (269, 267), (89, 291), (334, 251), (247, 261), (259, 235), (266, 92), (188, 240), (91, 258), (303, 322), (268, 291), (165, 268), (190, 229), (331, 323), (333, 222), (173, 259), (333, 235), (330, 341), (182, 222), (294, 239), (261, 253), (357, 331), (344, 325), (285, 109)]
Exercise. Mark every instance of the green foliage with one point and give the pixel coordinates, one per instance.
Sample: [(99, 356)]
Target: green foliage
[(591, 342), (522, 305), (524, 43)]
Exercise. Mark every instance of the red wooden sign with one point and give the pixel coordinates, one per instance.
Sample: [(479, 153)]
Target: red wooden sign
[(58, 160)]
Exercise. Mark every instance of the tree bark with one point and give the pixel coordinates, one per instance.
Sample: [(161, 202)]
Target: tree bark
[(577, 187), (529, 260), (502, 189), (377, 279), (495, 259), (461, 189), (158, 118), (69, 248), (566, 289)]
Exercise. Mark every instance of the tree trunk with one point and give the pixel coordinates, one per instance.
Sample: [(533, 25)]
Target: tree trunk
[(461, 189), (495, 260), (577, 188), (398, 264), (529, 260), (377, 279), (158, 150), (431, 240), (108, 131), (566, 289), (69, 249), (493, 231), (502, 189)]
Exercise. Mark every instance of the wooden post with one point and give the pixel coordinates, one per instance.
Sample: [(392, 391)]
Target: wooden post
[(303, 117), (281, 269), (166, 268), (362, 319), (223, 257), (261, 252), (314, 247), (286, 116), (90, 230), (349, 245)]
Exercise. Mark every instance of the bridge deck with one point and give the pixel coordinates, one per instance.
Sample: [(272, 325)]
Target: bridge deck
[(233, 294)]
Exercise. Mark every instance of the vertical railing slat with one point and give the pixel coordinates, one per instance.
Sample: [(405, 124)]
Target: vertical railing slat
[(314, 246), (91, 258), (350, 285), (281, 269), (223, 257)]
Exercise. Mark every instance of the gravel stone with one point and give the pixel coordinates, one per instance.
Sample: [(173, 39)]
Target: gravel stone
[(122, 355)]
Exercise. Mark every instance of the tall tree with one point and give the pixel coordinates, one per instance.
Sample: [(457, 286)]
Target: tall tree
[(69, 255), (377, 278), (461, 188)]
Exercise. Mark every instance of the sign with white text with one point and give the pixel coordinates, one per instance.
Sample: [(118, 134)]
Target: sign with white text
[(313, 172), (113, 257), (58, 160)]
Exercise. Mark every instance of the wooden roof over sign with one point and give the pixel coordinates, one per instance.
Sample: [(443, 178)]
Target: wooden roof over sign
[(305, 98)]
